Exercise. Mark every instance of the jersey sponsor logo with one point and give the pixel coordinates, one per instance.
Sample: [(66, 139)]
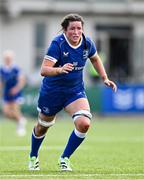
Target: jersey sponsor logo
[(85, 54), (75, 63), (77, 68), (65, 54)]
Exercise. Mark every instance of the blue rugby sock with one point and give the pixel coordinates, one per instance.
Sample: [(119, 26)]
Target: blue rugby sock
[(35, 144), (75, 139)]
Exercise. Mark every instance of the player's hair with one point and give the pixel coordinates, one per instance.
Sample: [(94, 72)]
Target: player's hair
[(85, 44), (71, 18), (8, 53)]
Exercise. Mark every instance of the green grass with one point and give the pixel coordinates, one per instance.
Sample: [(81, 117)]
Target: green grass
[(113, 149)]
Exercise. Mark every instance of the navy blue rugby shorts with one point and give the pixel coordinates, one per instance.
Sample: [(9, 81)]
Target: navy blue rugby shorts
[(12, 98), (53, 102)]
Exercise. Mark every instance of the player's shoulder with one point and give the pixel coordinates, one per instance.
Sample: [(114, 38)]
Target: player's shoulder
[(16, 68), (89, 40), (59, 39), (3, 69)]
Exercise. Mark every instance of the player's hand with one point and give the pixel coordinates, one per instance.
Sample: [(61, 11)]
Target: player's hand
[(14, 90), (66, 68), (111, 84)]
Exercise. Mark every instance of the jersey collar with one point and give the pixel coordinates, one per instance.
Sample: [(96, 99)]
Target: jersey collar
[(74, 47)]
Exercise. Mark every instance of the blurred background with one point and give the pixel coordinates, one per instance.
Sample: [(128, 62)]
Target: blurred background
[(117, 27)]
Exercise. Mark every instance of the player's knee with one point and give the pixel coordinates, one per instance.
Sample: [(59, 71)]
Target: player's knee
[(42, 126), (40, 130), (45, 123), (86, 125), (82, 113), (83, 124), (82, 119)]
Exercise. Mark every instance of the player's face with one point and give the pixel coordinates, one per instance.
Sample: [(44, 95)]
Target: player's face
[(8, 60), (74, 32)]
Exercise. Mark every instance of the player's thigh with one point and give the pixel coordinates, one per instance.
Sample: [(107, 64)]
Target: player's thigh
[(6, 107), (77, 105), (82, 122), (15, 106), (50, 104)]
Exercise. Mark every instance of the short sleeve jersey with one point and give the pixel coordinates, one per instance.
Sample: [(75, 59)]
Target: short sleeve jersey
[(9, 78), (62, 52)]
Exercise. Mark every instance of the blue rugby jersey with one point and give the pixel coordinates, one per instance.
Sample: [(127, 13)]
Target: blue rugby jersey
[(62, 52), (9, 78)]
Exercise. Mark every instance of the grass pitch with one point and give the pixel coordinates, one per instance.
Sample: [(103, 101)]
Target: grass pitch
[(113, 149)]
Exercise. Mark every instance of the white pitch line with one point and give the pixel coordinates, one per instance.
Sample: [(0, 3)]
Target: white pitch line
[(27, 148), (69, 175)]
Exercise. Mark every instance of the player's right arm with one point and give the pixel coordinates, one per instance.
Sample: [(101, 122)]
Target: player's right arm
[(52, 56), (48, 69)]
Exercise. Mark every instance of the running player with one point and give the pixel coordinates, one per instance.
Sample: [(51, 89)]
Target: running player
[(12, 82), (63, 87)]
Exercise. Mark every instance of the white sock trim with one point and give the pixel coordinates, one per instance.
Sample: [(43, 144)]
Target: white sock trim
[(79, 134), (36, 136)]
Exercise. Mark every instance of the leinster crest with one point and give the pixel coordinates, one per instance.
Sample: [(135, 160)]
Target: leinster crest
[(85, 54)]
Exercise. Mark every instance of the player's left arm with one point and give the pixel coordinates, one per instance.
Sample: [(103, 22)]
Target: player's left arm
[(98, 65)]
